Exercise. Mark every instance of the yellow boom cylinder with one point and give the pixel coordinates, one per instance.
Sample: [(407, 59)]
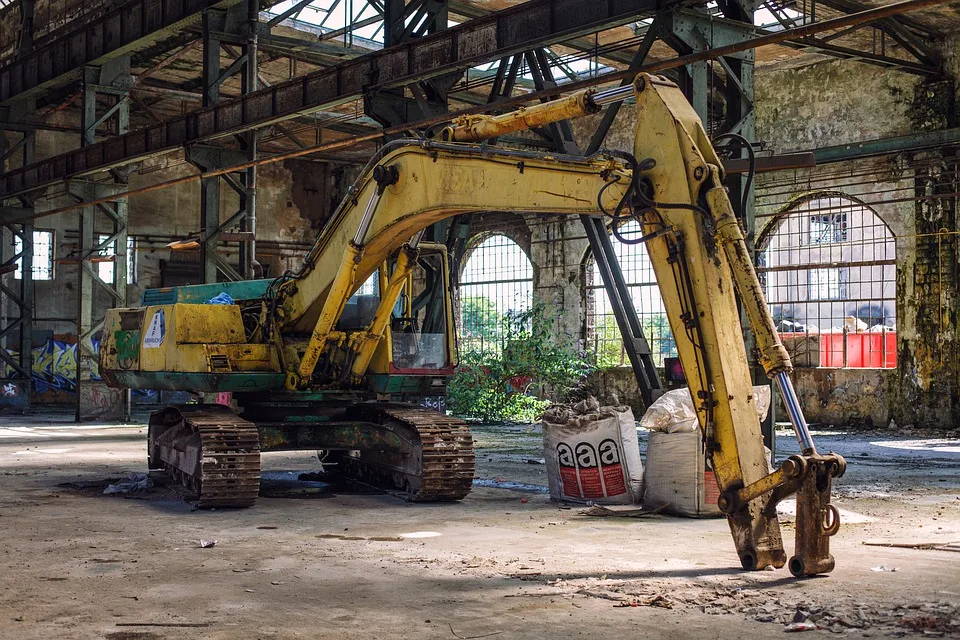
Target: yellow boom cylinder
[(480, 127), (773, 355), (332, 309)]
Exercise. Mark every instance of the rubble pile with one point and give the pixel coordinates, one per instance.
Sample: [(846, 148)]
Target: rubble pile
[(752, 602)]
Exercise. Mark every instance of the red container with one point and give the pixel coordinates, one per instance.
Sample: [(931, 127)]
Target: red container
[(876, 350)]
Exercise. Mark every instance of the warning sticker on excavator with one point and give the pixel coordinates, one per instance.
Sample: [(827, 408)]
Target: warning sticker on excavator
[(157, 329)]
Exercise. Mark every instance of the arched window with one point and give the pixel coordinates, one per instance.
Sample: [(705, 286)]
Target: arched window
[(602, 334), (829, 269), (496, 281)]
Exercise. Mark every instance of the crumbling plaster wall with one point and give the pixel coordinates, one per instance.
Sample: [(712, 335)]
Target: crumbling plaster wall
[(830, 103), (840, 102)]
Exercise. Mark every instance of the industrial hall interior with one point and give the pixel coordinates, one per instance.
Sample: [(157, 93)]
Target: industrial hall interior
[(458, 319)]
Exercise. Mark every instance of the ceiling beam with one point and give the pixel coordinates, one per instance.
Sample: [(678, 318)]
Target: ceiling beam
[(530, 24), (135, 25)]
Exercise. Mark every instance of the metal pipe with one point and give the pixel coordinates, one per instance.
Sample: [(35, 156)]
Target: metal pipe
[(367, 218), (250, 85), (792, 403), (480, 127)]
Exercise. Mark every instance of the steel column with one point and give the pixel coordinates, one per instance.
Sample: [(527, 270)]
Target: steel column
[(240, 22), (113, 82), (17, 296), (16, 369), (249, 267)]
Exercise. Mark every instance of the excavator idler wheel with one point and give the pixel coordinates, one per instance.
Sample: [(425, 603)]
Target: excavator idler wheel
[(210, 451)]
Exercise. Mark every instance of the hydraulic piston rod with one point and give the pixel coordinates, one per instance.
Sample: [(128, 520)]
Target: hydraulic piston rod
[(792, 403)]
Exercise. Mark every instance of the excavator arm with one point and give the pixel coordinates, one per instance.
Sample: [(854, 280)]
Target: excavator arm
[(701, 260)]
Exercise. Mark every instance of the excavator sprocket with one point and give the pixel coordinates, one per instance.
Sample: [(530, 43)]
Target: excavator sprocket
[(210, 450), (437, 462)]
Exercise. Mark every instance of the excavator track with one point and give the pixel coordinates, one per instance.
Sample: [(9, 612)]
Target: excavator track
[(210, 450), (438, 465)]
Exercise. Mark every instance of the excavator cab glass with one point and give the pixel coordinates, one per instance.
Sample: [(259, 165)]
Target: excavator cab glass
[(420, 327), (360, 308)]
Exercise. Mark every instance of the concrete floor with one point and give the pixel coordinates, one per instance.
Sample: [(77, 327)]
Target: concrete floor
[(77, 564)]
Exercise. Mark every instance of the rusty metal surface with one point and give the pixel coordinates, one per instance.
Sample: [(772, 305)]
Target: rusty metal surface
[(817, 519), (210, 450), (440, 468)]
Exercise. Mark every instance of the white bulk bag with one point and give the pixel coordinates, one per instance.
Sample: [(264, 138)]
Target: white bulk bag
[(592, 453)]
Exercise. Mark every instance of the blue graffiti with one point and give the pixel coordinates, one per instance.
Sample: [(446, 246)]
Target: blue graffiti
[(55, 369)]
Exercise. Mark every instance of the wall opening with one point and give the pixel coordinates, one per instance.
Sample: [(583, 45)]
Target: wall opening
[(602, 336), (43, 255), (828, 266), (496, 283)]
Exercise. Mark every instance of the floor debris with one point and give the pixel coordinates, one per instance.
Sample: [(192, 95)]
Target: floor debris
[(184, 625), (952, 545), (131, 484), (485, 635), (620, 510)]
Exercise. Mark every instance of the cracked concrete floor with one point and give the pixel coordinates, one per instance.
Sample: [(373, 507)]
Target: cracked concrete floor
[(77, 564)]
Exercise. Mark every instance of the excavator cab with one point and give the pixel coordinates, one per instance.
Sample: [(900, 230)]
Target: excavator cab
[(418, 352)]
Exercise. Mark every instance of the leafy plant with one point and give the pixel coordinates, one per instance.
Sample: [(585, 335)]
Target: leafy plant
[(514, 380), (480, 318), (607, 345)]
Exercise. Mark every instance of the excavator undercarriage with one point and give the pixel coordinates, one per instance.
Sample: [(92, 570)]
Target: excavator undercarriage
[(411, 452)]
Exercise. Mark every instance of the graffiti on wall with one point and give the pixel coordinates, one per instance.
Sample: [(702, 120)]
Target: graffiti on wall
[(55, 372)]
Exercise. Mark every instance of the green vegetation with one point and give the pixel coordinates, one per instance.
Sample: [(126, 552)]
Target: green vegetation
[(607, 346), (521, 360), (481, 321)]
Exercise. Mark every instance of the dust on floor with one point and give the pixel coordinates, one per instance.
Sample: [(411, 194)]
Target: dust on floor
[(505, 562)]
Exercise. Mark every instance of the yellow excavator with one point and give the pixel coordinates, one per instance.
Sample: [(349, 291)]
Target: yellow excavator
[(330, 357)]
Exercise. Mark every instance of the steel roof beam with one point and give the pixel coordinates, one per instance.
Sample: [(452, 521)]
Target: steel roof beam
[(131, 27), (533, 23)]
